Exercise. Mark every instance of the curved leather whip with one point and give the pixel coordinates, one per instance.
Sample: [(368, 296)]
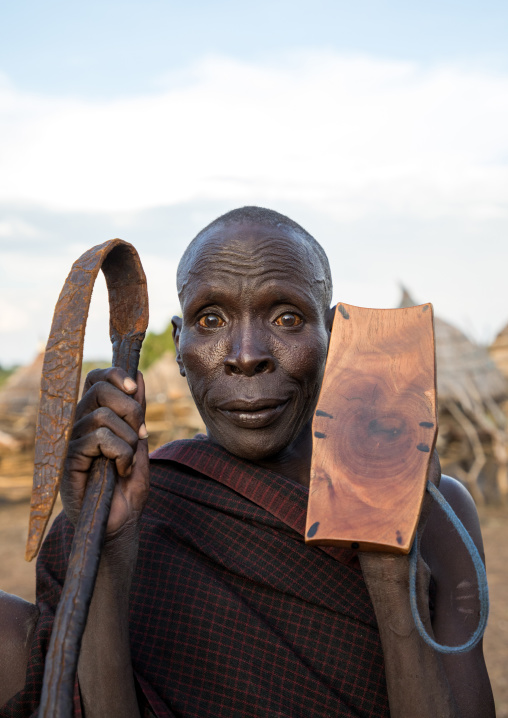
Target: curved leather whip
[(61, 372)]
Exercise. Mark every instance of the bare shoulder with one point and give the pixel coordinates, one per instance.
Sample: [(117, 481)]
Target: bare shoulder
[(441, 544), (17, 622), (461, 502)]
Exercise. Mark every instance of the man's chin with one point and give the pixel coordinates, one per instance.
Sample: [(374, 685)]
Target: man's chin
[(252, 444)]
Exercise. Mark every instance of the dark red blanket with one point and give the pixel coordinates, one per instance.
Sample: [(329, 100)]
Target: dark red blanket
[(231, 614)]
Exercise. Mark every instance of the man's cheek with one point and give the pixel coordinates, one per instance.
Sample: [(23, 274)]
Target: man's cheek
[(309, 362), (202, 359)]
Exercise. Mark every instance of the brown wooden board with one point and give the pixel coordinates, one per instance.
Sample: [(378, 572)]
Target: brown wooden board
[(374, 429)]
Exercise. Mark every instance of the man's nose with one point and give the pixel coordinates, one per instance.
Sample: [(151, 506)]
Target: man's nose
[(249, 354)]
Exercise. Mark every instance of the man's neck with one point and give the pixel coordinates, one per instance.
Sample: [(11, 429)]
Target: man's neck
[(294, 461)]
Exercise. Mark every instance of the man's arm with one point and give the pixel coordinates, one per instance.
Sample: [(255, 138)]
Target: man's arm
[(422, 683), (105, 674), (17, 623), (457, 603), (109, 421)]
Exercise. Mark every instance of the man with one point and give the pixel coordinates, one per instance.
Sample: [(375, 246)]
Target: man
[(230, 614)]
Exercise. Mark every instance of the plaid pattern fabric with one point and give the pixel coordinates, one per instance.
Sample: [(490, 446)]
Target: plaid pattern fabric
[(231, 613)]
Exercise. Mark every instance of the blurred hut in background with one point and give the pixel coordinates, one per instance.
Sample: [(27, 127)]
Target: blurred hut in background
[(473, 433), (499, 351), (170, 410), (19, 400), (473, 437)]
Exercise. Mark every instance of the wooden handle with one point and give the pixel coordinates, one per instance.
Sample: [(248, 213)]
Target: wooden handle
[(61, 371), (374, 430), (62, 365), (70, 620)]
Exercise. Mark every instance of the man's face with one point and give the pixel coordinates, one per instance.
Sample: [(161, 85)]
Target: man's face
[(253, 337)]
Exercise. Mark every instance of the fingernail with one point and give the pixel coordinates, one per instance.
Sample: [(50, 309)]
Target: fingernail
[(143, 433), (134, 461), (129, 385)]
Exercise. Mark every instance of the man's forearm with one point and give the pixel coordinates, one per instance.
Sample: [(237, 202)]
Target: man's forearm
[(416, 682), (17, 624), (105, 673)]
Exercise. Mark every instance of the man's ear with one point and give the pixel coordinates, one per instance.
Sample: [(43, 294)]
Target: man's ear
[(177, 329)]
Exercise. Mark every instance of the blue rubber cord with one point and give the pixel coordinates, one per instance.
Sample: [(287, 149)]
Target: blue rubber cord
[(481, 576)]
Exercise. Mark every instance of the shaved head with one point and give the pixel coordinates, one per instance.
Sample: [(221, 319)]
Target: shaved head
[(253, 337), (268, 219)]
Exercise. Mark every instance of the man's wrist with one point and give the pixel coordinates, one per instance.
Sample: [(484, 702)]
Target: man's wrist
[(120, 553)]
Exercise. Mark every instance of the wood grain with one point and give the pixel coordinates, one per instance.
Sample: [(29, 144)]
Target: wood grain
[(374, 429)]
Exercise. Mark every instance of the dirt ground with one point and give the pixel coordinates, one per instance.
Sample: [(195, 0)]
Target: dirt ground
[(17, 576)]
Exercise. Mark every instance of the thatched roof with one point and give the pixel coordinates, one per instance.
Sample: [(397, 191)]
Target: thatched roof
[(465, 372), (165, 387), (163, 380), (499, 351), (21, 390)]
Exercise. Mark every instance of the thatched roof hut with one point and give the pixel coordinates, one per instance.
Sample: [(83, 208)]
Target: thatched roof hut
[(22, 388), (170, 412), (499, 351), (465, 371), (19, 400), (472, 425)]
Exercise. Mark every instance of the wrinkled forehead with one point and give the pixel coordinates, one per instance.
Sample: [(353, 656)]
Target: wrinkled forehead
[(251, 251)]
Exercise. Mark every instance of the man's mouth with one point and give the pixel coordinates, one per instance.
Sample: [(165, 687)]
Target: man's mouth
[(252, 414)]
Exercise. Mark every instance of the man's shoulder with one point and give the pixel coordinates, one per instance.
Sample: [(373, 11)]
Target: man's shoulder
[(463, 505), (442, 547), (456, 494)]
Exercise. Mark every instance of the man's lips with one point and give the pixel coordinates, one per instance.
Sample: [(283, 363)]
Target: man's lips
[(252, 414)]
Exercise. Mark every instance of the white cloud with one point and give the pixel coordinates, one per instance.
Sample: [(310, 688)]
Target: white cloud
[(29, 289), (12, 316), (402, 173), (16, 227), (348, 135)]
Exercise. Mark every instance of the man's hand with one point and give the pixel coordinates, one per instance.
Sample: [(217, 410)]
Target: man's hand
[(110, 420)]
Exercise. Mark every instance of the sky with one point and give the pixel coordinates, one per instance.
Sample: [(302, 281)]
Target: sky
[(379, 126)]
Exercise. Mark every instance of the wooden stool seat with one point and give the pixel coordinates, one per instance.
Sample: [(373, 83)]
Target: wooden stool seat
[(374, 429)]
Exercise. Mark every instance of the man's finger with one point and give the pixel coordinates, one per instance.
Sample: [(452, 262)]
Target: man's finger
[(135, 487), (103, 394), (139, 395), (113, 375), (105, 442), (105, 417)]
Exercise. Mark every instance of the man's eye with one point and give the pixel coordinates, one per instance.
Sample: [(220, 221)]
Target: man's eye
[(288, 319), (211, 321)]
